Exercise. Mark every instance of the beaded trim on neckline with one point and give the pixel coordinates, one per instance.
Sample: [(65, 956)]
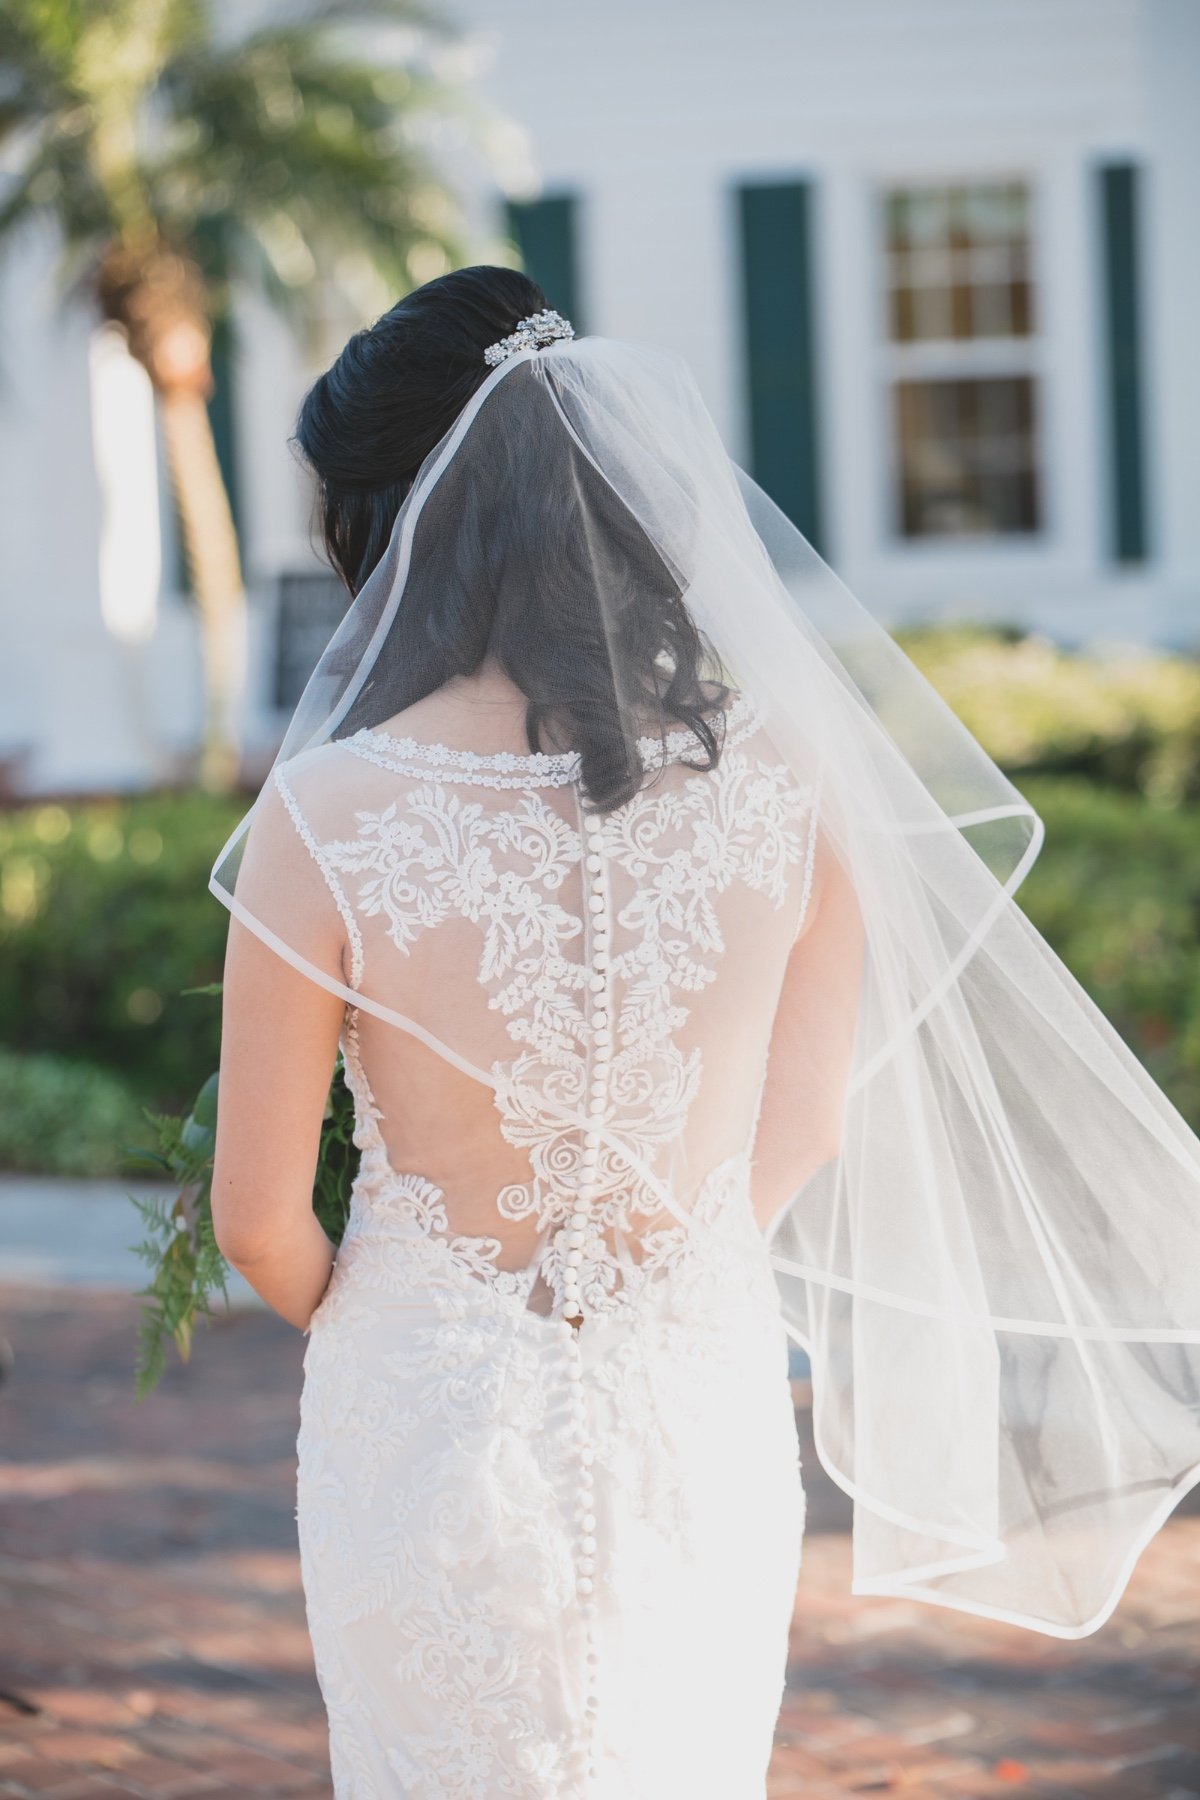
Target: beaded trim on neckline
[(514, 769)]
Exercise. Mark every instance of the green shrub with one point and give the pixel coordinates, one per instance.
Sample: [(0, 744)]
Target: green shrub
[(1116, 891), (65, 1118), (105, 918), (1128, 719)]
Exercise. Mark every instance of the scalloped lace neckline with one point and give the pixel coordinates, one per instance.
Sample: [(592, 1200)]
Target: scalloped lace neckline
[(414, 756)]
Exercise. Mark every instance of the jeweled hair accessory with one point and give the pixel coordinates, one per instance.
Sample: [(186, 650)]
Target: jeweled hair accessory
[(538, 329)]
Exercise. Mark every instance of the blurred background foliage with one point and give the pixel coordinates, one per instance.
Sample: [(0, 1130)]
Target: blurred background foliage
[(1125, 717), (105, 918)]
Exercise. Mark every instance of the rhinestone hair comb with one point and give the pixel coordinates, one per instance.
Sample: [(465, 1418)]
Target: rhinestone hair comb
[(538, 329)]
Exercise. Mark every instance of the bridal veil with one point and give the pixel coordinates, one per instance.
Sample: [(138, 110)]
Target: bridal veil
[(991, 1249)]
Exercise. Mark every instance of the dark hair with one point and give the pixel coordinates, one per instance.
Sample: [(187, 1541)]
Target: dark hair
[(593, 682)]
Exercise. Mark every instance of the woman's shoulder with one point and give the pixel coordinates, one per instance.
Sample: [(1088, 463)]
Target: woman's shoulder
[(318, 788)]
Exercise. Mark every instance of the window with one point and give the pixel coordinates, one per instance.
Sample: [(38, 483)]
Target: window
[(311, 605), (961, 360)]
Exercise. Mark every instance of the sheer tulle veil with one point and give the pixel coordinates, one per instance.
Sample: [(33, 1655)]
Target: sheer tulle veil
[(990, 1248)]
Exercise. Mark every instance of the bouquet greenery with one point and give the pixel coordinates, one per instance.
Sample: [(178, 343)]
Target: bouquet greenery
[(187, 1270)]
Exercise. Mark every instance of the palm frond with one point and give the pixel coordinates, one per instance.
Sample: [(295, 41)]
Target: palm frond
[(305, 145), (34, 83), (270, 154), (319, 14)]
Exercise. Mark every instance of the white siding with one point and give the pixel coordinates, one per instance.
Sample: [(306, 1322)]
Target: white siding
[(653, 113)]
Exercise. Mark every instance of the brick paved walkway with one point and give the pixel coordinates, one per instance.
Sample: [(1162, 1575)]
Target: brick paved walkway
[(152, 1636)]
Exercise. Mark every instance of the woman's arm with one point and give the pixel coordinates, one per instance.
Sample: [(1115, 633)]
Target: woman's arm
[(279, 1041), (812, 1042)]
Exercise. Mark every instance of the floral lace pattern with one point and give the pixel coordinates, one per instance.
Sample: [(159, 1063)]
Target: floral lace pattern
[(595, 1024), (517, 1525), (441, 1524)]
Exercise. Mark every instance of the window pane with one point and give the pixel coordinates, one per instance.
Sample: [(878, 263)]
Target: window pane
[(966, 456), (931, 312), (959, 217), (903, 323), (962, 310), (928, 216), (1021, 300), (1000, 408), (897, 218), (962, 254), (991, 312)]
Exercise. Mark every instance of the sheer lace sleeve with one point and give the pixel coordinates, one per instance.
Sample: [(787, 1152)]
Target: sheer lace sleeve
[(288, 891)]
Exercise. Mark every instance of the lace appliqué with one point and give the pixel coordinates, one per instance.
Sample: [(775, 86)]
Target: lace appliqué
[(476, 1478), (455, 1541), (435, 854)]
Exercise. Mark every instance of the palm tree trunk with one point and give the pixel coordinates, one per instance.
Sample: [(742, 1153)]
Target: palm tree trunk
[(211, 550)]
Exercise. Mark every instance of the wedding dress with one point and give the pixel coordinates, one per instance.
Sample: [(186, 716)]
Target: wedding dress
[(766, 1044), (544, 1559)]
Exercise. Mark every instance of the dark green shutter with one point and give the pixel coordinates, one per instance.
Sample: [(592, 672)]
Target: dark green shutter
[(545, 233), (1119, 224), (221, 416), (776, 224)]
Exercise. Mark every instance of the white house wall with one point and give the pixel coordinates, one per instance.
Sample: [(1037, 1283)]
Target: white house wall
[(653, 112), (71, 693)]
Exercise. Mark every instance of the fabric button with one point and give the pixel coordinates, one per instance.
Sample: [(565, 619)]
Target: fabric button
[(597, 903)]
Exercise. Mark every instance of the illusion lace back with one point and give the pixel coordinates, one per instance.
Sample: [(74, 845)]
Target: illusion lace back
[(549, 1499)]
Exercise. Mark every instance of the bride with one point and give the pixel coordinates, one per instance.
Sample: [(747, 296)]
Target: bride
[(663, 919)]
